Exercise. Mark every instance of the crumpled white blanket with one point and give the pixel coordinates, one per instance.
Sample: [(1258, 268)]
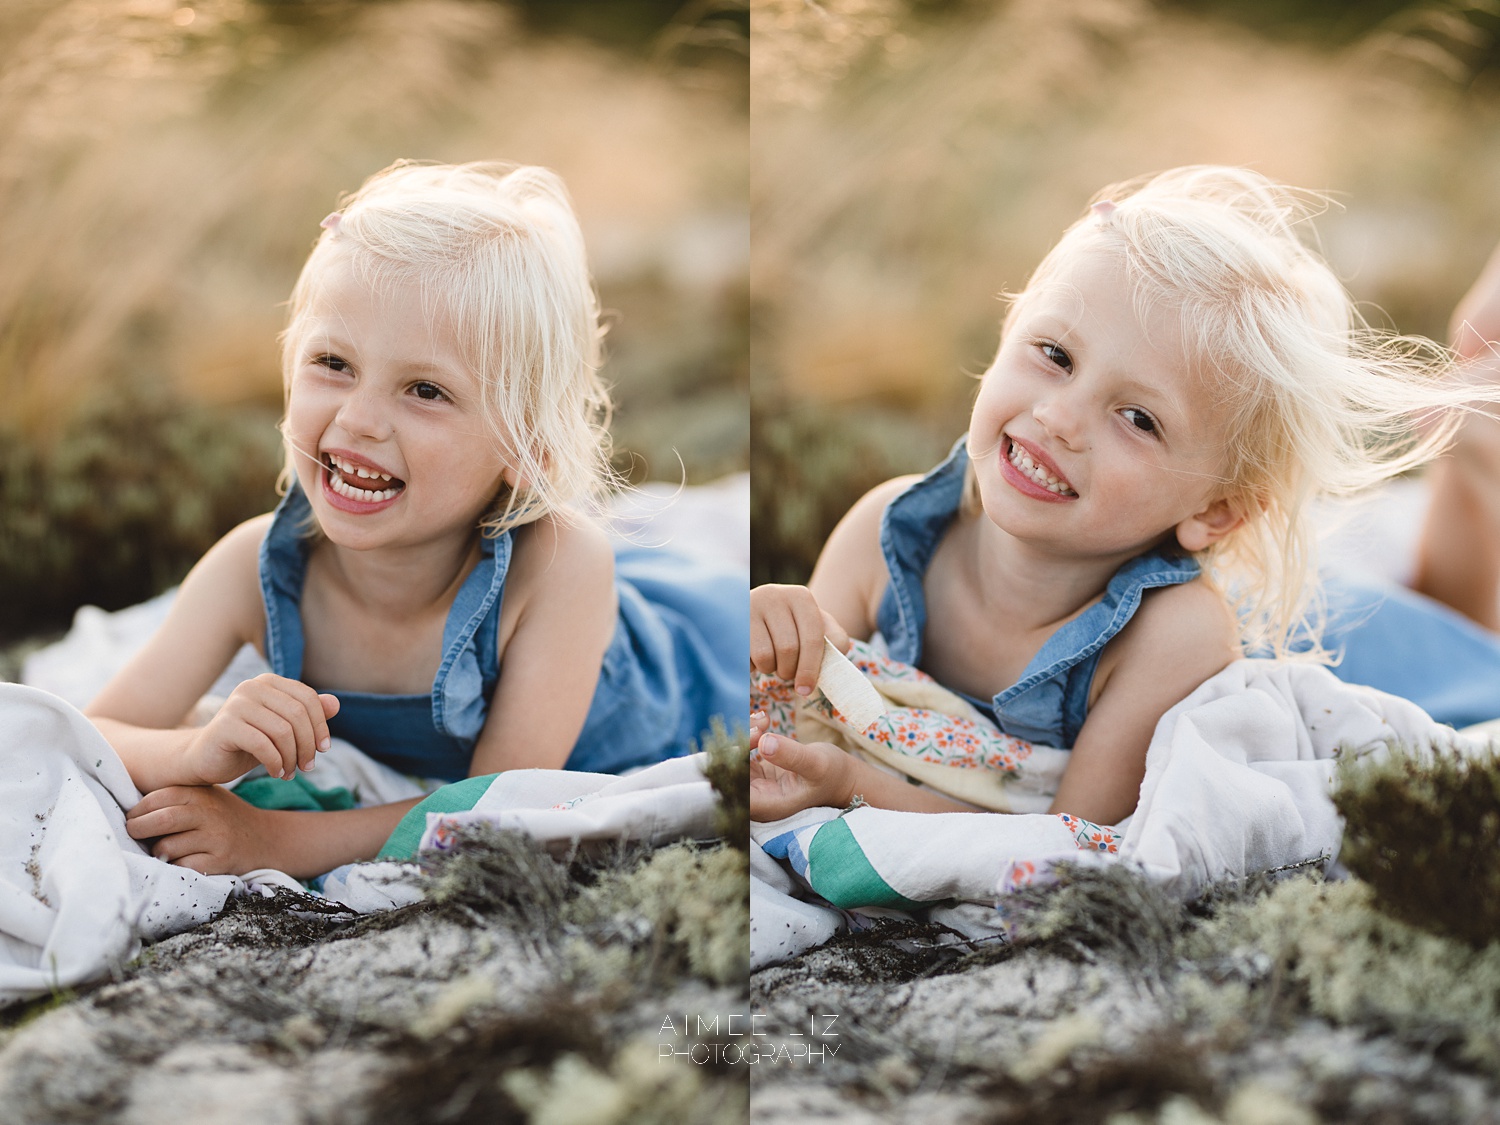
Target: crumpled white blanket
[(77, 894), (1237, 781)]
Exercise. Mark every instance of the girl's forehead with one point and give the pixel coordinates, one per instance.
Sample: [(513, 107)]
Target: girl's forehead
[(348, 288), (1093, 292)]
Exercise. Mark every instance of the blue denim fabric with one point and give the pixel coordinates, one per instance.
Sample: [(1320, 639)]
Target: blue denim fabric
[(1048, 704), (1401, 642), (677, 658)]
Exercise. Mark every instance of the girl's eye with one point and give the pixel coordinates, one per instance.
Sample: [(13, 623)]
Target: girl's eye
[(1057, 355), (332, 362), (431, 392), (1140, 419)]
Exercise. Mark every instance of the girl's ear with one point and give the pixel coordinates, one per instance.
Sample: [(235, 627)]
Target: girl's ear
[(1203, 529)]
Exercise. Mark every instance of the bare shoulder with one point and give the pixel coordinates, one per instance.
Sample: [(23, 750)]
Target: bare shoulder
[(850, 576), (857, 535), (556, 553), (226, 580), (1182, 634), (864, 517), (241, 545), (217, 609)]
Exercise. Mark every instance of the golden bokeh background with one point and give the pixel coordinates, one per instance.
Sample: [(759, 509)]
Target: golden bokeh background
[(164, 165), (910, 161)]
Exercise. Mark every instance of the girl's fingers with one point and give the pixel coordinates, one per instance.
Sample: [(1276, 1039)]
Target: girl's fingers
[(809, 619), (201, 862), (179, 845), (330, 709), (835, 633), (158, 823), (784, 752), (255, 742), (762, 649), (297, 735), (780, 645)]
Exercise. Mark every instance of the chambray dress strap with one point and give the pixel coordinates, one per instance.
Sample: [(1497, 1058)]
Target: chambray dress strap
[(431, 734), (283, 569), (470, 669), (1049, 702), (910, 528)]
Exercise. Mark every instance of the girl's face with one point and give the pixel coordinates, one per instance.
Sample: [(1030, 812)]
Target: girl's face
[(383, 416), (1092, 436)]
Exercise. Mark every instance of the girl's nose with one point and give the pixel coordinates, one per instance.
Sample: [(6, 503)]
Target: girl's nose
[(1060, 414), (364, 414)]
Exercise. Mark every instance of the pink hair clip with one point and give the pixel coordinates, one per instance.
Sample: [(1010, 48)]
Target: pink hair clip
[(332, 221), (1104, 208)]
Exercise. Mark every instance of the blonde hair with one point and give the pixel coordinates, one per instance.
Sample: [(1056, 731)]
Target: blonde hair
[(499, 248), (1317, 403)]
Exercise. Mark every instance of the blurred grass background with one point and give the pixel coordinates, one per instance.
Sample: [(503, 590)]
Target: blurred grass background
[(163, 168), (911, 159)]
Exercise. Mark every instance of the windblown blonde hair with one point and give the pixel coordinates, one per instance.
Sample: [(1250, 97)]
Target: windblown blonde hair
[(1317, 403), (498, 248)]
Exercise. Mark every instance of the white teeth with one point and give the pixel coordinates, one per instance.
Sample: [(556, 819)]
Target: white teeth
[(350, 469), (341, 469), (1034, 472), (343, 488)]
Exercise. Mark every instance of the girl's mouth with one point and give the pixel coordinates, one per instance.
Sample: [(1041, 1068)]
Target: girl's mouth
[(1031, 472), (358, 484)]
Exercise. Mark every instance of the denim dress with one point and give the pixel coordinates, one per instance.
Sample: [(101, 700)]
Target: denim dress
[(676, 660), (1048, 704), (1381, 635)]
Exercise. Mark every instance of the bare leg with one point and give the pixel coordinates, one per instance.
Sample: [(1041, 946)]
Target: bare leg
[(1458, 559)]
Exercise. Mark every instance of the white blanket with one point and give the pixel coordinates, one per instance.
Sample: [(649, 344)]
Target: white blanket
[(1237, 781), (77, 894)]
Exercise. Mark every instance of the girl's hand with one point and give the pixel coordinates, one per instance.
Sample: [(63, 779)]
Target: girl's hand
[(786, 634), (279, 723), (206, 828), (787, 776)]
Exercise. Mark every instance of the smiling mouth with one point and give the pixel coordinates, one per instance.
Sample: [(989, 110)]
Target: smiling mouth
[(1028, 468), (355, 482)]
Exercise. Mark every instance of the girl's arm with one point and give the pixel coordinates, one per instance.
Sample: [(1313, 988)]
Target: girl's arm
[(1178, 638), (787, 776), (209, 829), (788, 623), (272, 721), (562, 580), (850, 576)]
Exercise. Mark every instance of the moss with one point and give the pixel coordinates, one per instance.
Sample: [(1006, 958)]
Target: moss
[(1354, 964), (1092, 911), (693, 913), (728, 771), (576, 1090), (1423, 830), (459, 1075), (499, 874), (1162, 1070)]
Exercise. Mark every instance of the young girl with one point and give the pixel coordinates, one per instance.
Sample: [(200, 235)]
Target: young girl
[(428, 588), (1129, 511)]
